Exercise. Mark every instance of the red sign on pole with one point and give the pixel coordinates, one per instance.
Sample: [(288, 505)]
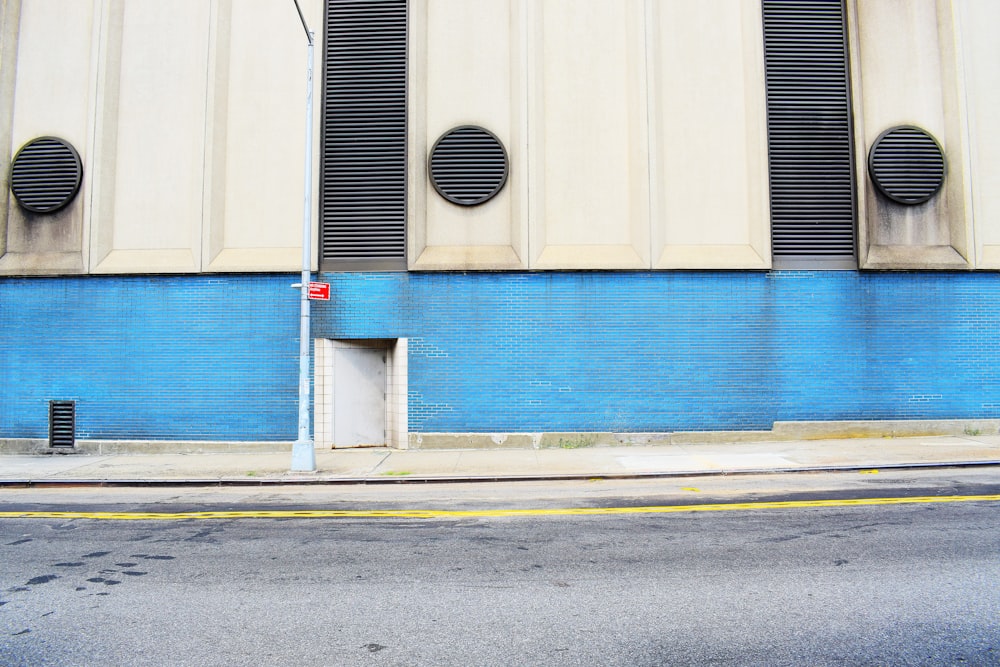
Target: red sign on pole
[(319, 291)]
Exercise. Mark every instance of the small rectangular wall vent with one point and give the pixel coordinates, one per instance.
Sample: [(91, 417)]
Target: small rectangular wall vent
[(62, 424)]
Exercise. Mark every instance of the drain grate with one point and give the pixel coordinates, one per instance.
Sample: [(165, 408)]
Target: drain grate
[(62, 424)]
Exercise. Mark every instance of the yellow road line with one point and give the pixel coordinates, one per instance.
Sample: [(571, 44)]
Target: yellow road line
[(458, 514)]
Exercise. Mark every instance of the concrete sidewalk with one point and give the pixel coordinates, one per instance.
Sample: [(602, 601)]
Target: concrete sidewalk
[(377, 465)]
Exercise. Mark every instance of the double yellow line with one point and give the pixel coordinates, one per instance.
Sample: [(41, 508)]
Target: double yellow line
[(489, 513)]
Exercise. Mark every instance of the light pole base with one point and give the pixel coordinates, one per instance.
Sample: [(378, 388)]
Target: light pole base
[(303, 456)]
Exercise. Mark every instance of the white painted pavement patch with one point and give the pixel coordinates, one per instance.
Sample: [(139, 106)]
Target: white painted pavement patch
[(649, 463)]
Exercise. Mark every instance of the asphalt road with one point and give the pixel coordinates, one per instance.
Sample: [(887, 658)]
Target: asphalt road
[(908, 584)]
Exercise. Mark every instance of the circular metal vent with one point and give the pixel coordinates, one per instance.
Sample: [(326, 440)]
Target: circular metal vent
[(45, 174), (468, 165), (906, 164)]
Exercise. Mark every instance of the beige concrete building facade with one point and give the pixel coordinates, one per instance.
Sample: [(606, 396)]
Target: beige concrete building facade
[(636, 132)]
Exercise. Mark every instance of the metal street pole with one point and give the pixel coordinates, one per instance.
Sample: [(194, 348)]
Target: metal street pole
[(303, 451)]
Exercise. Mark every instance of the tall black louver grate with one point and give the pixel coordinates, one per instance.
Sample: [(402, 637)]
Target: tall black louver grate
[(809, 131), (363, 179)]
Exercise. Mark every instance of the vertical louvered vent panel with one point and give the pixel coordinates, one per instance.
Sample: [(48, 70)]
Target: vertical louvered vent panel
[(363, 208), (809, 133), (62, 424)]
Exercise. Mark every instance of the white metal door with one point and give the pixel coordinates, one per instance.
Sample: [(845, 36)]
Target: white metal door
[(359, 397)]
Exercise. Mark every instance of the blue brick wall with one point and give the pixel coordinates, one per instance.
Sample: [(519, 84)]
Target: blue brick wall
[(215, 357), (664, 351), (182, 357)]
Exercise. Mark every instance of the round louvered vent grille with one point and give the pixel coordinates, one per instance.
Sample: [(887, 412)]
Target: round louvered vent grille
[(906, 164), (468, 165), (45, 174)]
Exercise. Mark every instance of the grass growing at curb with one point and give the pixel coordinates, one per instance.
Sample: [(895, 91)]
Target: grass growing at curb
[(577, 443)]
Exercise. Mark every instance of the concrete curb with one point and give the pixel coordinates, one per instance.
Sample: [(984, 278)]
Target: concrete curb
[(468, 479)]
